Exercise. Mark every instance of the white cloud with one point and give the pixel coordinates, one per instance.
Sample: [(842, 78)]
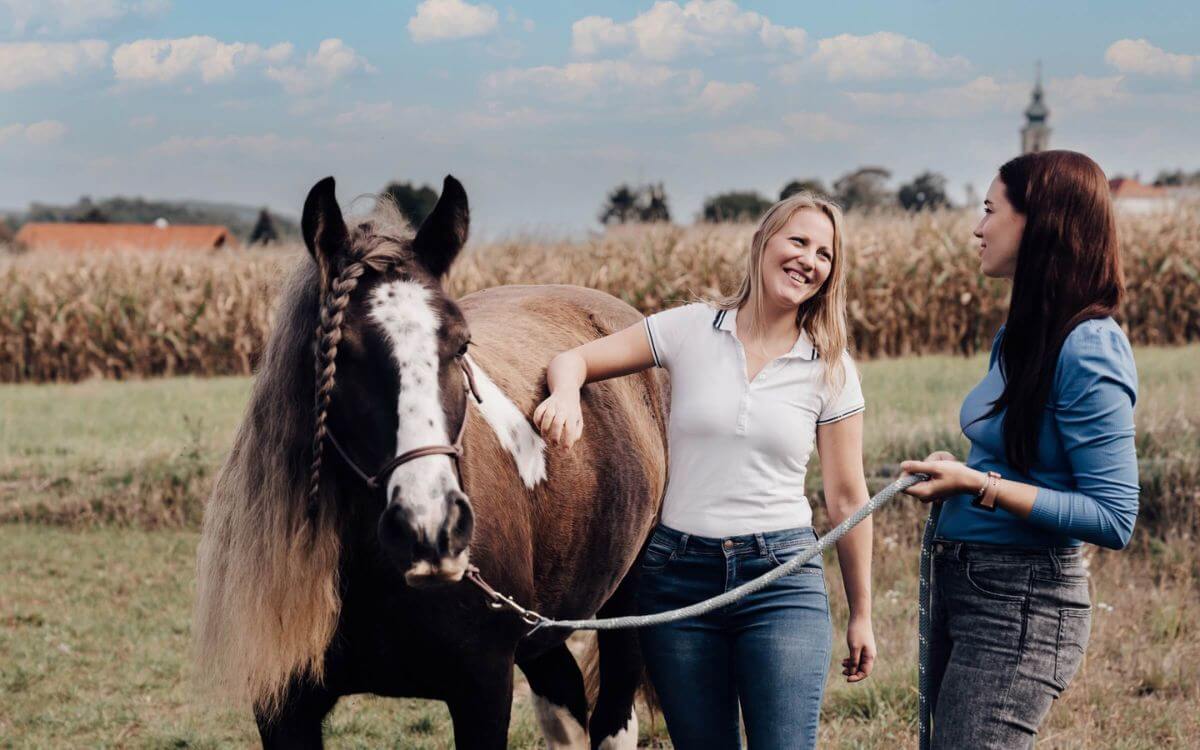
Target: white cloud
[(981, 95), (438, 20), (820, 127), (985, 95), (592, 34), (333, 60), (269, 144), (31, 63), (165, 60), (72, 16), (1140, 56), (741, 139), (879, 56), (1084, 93), (37, 133), (576, 81), (668, 31), (717, 97)]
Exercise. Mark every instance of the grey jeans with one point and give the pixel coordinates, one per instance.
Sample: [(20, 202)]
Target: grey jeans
[(1008, 630)]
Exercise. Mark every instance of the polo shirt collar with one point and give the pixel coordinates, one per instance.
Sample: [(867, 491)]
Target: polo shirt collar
[(726, 320)]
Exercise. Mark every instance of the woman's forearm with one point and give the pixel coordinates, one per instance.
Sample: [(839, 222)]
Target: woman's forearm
[(854, 556), (567, 372)]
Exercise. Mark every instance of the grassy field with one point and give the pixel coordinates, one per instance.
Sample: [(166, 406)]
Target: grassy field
[(101, 485)]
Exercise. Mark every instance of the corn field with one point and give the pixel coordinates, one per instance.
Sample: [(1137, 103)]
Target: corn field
[(915, 288)]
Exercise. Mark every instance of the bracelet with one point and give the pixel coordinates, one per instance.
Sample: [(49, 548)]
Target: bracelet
[(986, 497)]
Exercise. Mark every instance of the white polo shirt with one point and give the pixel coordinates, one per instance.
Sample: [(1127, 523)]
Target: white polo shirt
[(739, 451)]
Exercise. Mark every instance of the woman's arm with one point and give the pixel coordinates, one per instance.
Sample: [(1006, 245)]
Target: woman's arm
[(559, 417), (839, 445)]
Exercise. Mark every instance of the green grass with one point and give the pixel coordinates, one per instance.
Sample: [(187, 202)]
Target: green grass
[(101, 485)]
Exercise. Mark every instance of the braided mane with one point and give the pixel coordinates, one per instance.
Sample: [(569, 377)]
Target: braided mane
[(267, 599)]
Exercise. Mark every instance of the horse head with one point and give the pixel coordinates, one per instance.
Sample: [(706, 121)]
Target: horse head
[(391, 376)]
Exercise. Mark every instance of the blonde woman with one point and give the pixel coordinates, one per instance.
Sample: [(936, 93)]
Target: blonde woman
[(758, 379)]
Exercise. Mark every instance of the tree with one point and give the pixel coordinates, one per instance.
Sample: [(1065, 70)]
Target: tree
[(735, 206), (811, 185), (630, 203), (864, 188), (927, 190), (1177, 178), (264, 229), (415, 203)]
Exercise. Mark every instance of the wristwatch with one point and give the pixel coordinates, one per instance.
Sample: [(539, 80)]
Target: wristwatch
[(985, 498)]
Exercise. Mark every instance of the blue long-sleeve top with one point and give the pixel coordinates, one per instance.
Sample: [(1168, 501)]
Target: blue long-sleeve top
[(1086, 467)]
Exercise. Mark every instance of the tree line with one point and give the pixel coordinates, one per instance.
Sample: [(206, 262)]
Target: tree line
[(865, 188)]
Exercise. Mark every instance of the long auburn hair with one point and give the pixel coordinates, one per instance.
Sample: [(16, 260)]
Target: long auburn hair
[(822, 316), (1068, 271)]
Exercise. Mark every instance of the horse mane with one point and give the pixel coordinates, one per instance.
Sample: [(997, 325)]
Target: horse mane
[(267, 594)]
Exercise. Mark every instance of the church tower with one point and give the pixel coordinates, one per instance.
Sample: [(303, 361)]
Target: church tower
[(1035, 136)]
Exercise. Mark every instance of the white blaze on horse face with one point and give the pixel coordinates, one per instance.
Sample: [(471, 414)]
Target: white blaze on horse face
[(515, 432), (402, 310), (559, 726)]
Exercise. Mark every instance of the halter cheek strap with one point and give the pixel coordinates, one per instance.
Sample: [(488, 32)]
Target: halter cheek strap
[(454, 450)]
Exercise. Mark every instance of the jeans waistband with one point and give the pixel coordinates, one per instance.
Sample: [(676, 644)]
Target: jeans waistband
[(1002, 553), (759, 544)]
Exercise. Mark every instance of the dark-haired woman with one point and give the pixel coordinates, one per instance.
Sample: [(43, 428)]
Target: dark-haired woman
[(1051, 465)]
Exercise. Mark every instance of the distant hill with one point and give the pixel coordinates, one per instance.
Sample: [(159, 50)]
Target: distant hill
[(239, 218)]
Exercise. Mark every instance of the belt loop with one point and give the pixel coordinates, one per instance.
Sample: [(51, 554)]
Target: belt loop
[(762, 544), (1055, 562), (683, 540), (960, 550)]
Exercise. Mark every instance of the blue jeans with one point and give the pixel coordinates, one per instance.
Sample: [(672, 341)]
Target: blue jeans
[(768, 652)]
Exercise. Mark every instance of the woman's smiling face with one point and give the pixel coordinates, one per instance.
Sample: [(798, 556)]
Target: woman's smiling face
[(797, 259), (999, 233)]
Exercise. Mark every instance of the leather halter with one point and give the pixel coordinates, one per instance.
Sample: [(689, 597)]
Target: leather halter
[(454, 450)]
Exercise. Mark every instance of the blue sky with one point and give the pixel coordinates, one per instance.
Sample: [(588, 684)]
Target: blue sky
[(540, 108)]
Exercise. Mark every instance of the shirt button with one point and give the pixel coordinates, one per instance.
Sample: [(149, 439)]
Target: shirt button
[(728, 544)]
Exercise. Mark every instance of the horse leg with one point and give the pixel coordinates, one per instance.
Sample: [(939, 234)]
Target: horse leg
[(559, 700), (614, 724), (297, 724), (481, 710)]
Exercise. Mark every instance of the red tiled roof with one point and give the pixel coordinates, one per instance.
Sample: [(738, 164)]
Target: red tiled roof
[(84, 236), (1124, 187)]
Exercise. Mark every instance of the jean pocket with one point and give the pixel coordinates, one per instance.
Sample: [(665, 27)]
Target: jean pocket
[(781, 555), (1005, 583), (656, 558), (1074, 630)]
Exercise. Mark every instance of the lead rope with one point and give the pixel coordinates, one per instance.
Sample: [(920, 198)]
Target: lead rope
[(924, 618), (497, 601)]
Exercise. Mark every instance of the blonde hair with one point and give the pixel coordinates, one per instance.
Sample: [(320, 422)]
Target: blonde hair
[(823, 316)]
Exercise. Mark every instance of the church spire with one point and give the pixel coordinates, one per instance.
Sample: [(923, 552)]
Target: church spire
[(1035, 136)]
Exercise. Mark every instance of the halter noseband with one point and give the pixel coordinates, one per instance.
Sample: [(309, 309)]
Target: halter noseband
[(454, 450)]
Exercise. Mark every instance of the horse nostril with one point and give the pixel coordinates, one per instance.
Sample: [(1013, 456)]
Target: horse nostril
[(460, 522), (395, 527)]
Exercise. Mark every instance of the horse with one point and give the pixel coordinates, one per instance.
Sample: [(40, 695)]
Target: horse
[(316, 579)]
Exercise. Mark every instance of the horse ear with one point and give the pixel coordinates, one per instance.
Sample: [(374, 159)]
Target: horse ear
[(322, 225), (444, 231)]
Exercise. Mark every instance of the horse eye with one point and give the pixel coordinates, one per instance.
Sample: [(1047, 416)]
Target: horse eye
[(462, 352)]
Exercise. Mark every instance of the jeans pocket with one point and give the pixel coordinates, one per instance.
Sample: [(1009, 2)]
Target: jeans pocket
[(655, 558), (782, 555), (1074, 630), (998, 581)]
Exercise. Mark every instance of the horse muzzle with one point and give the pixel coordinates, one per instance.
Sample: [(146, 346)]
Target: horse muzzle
[(429, 550)]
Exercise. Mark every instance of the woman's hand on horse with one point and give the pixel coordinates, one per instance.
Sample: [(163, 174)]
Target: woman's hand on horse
[(860, 638), (559, 419), (947, 477)]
